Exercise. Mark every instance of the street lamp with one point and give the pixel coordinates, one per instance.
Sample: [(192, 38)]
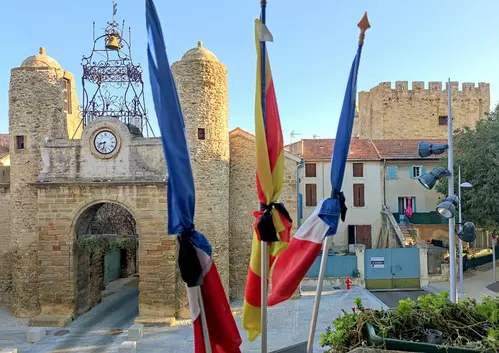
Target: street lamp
[(428, 180), (462, 232), (426, 149), (447, 207)]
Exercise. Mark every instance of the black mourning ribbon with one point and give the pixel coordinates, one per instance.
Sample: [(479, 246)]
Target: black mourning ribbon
[(337, 194), (188, 260), (265, 225)]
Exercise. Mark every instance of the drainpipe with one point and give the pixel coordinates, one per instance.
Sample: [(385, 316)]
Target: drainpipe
[(299, 198), (384, 182)]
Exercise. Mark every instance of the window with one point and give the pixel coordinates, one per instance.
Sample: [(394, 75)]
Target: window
[(20, 143), (201, 134), (416, 171), (352, 234), (311, 194), (310, 170), (391, 172), (442, 120), (358, 170), (358, 195), (68, 105)]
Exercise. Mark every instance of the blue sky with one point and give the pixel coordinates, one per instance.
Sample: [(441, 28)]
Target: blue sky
[(314, 44)]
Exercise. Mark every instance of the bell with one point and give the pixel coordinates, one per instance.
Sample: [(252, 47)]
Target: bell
[(112, 43)]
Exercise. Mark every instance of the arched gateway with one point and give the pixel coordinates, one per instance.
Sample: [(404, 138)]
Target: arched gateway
[(67, 207)]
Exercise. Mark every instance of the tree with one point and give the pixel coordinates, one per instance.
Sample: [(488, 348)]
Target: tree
[(477, 152)]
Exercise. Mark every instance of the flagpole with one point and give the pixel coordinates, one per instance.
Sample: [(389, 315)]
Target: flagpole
[(318, 293), (204, 322), (336, 193), (264, 262)]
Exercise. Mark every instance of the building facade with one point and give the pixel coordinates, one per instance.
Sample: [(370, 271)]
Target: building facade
[(59, 179), (412, 206), (380, 176), (361, 186)]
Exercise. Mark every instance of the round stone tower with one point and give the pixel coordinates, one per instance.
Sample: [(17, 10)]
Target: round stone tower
[(38, 108), (201, 82)]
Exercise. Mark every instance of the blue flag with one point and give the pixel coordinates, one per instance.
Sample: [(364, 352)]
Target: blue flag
[(181, 195), (334, 208)]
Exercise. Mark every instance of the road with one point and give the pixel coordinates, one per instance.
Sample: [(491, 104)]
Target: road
[(391, 298)]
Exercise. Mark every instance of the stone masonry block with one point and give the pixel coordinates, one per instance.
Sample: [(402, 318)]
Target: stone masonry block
[(128, 347), (417, 85), (401, 85), (35, 334), (135, 332), (9, 350)]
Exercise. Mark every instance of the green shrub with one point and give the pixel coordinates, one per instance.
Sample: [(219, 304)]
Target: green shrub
[(464, 324)]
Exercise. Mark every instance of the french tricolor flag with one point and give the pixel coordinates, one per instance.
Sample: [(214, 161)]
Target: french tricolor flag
[(292, 265), (223, 332)]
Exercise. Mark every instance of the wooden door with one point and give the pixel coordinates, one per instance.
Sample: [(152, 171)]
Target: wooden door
[(364, 235)]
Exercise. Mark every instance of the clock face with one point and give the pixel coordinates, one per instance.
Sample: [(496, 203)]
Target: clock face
[(105, 142)]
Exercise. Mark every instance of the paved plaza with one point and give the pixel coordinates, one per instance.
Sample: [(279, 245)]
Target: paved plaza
[(104, 328)]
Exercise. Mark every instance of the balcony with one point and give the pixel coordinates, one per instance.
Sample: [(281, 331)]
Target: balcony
[(424, 218)]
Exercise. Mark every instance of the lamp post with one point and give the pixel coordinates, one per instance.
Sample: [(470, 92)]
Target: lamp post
[(428, 180), (452, 221), (461, 260)]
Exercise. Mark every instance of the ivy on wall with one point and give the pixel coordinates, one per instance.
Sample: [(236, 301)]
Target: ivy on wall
[(98, 242)]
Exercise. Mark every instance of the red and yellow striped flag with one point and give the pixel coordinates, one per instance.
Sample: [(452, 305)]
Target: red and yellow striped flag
[(272, 222)]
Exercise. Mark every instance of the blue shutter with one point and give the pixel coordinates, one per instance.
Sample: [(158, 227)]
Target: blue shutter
[(411, 172), (392, 172), (413, 205), (423, 170)]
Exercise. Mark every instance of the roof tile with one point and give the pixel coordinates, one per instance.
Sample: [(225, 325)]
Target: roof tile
[(362, 149), (403, 149)]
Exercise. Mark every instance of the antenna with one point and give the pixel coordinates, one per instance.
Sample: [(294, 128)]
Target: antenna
[(315, 136), (293, 134)]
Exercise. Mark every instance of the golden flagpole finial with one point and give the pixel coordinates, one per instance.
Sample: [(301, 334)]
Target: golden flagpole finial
[(364, 25)]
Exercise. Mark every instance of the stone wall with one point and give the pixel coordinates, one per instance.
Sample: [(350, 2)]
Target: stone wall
[(35, 112), (60, 206), (244, 201), (5, 249), (398, 113)]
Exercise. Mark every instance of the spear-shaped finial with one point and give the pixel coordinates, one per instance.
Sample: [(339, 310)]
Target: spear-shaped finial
[(364, 25)]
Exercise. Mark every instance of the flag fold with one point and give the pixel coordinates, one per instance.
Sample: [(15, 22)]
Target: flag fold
[(195, 253), (272, 222)]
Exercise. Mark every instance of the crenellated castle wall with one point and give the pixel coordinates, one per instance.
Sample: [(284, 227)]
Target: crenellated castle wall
[(387, 112)]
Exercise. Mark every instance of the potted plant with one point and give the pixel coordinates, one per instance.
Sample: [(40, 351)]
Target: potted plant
[(430, 324)]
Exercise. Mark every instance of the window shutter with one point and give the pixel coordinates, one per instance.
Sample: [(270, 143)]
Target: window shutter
[(358, 170), (310, 195), (392, 172), (413, 205), (411, 172), (423, 170), (310, 170), (362, 196), (358, 195)]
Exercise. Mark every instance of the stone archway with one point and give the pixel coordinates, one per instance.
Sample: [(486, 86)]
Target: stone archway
[(96, 267), (60, 207)]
